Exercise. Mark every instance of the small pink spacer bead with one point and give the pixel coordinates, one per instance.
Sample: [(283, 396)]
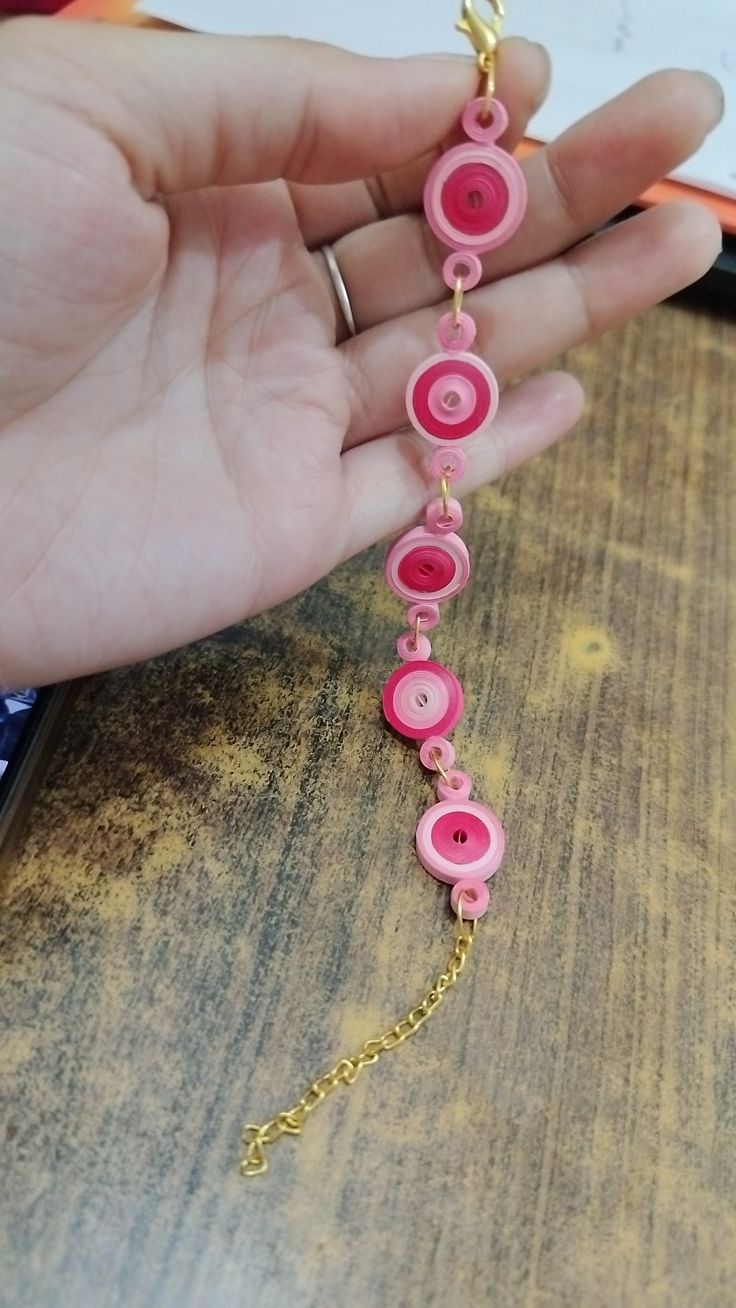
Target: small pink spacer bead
[(409, 651), (458, 785), (428, 615), (451, 464), (455, 335), (465, 266), (437, 746), (483, 122), (476, 898), (442, 523)]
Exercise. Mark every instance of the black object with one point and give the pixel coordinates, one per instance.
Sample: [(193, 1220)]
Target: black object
[(720, 281), (27, 737)]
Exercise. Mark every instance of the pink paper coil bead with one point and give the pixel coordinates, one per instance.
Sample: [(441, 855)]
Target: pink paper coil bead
[(434, 750), (451, 397), (423, 566), (422, 700), (465, 266), (456, 336), (475, 194), (485, 122), (475, 896), (449, 463), (428, 615), (460, 840), (410, 651), (457, 786), (441, 523)]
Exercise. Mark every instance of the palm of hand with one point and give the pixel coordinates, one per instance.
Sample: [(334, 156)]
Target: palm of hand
[(205, 434)]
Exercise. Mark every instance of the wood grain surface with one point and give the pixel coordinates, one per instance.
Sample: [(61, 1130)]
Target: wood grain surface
[(218, 896)]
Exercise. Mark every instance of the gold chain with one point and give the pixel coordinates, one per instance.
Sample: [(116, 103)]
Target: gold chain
[(256, 1139), (346, 1072)]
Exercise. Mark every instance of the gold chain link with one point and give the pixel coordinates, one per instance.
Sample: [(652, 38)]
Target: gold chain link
[(485, 37), (457, 300), (257, 1138)]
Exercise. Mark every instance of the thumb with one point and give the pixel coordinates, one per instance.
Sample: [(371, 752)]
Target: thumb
[(191, 111)]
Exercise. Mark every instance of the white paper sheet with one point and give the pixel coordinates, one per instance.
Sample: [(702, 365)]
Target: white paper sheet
[(597, 49)]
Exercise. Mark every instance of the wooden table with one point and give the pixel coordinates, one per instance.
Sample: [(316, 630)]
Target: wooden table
[(218, 897)]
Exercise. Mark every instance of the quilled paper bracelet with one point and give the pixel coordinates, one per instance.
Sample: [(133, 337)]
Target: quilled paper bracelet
[(474, 200)]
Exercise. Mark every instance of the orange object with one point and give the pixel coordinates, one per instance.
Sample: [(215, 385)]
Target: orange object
[(108, 11), (721, 205)]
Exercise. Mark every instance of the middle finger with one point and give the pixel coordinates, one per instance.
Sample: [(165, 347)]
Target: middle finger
[(589, 174)]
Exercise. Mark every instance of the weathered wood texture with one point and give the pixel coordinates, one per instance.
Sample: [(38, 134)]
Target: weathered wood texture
[(218, 896)]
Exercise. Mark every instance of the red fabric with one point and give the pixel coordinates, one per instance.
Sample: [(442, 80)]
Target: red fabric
[(31, 6)]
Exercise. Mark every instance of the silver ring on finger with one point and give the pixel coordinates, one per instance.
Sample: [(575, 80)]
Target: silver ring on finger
[(341, 290)]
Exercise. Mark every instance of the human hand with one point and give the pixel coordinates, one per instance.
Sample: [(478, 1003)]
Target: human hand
[(186, 436)]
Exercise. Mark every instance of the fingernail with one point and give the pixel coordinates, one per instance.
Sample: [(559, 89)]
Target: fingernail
[(717, 92)]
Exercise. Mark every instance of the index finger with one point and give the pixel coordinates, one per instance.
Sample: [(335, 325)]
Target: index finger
[(190, 111)]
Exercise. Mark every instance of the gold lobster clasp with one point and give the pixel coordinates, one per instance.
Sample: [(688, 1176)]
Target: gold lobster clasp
[(484, 37)]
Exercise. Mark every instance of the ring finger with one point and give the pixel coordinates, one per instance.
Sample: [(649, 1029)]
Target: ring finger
[(591, 172)]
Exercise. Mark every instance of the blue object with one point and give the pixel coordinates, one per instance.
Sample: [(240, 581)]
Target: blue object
[(14, 710)]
